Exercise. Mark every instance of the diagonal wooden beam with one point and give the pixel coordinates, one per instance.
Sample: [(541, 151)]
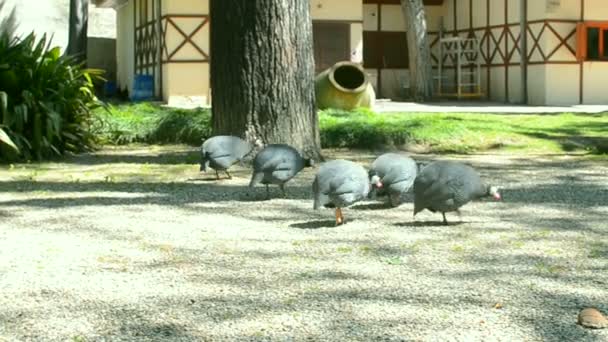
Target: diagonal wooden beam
[(536, 40), (188, 37), (562, 41)]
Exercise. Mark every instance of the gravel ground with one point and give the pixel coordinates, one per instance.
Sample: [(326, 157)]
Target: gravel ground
[(135, 244)]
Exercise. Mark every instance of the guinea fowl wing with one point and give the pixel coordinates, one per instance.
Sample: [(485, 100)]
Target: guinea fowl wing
[(436, 192)]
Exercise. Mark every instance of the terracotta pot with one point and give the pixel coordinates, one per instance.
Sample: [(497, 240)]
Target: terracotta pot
[(344, 86)]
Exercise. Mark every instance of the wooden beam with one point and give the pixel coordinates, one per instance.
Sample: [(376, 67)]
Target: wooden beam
[(523, 52)]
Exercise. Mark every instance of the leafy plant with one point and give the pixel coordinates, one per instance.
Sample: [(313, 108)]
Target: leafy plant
[(49, 98), (4, 138)]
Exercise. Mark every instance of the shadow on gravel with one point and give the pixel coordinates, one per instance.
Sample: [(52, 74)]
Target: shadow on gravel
[(316, 224), (371, 206), (428, 224), (165, 158), (148, 193)]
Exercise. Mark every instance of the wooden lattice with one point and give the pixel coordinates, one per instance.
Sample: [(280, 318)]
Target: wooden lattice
[(146, 36)]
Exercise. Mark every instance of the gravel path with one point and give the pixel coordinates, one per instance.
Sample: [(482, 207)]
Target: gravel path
[(134, 244)]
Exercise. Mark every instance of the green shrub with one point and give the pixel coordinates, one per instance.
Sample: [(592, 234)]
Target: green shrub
[(362, 128), (153, 123), (183, 126), (49, 98)]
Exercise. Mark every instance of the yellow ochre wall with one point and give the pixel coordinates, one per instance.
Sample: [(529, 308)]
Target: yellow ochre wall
[(186, 84)]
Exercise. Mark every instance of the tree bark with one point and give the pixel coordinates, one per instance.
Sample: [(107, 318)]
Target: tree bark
[(419, 50), (262, 72), (79, 22)]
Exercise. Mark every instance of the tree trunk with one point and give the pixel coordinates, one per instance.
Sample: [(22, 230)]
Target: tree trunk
[(419, 50), (262, 72), (79, 22)]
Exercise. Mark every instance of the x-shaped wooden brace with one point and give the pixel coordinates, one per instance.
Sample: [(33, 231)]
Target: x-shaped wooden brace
[(498, 47), (562, 41), (536, 39), (515, 45), (187, 38)]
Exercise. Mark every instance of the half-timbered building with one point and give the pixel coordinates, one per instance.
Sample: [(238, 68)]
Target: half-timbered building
[(477, 47)]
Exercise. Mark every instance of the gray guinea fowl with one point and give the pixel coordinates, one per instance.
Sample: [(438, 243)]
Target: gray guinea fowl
[(340, 183), (397, 174), (445, 186), (222, 151), (277, 164)]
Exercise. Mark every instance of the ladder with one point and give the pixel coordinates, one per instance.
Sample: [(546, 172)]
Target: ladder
[(465, 58)]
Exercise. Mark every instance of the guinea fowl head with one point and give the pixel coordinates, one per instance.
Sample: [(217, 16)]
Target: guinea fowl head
[(493, 191), (375, 180)]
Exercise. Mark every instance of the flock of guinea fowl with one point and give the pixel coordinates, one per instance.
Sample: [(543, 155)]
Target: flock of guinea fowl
[(440, 186)]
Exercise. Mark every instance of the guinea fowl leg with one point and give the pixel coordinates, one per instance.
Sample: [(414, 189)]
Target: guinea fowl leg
[(217, 175), (228, 173), (283, 190), (267, 192), (445, 222), (339, 217)]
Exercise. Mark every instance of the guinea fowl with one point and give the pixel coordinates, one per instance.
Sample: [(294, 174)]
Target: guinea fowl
[(222, 151), (397, 174), (445, 186), (277, 164), (340, 183)]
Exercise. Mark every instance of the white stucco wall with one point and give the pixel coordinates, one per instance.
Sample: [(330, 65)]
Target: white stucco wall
[(52, 17), (125, 43)]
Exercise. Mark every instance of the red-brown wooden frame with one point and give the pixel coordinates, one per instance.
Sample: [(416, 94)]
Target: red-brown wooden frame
[(581, 33)]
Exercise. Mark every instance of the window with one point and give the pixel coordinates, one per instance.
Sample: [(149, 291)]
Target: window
[(592, 41)]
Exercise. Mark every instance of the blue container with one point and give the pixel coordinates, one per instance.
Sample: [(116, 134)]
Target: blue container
[(109, 89), (143, 88)]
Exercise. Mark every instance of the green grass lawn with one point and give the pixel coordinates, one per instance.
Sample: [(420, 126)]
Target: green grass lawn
[(422, 132)]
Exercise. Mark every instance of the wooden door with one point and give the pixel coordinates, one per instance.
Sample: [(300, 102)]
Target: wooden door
[(331, 43)]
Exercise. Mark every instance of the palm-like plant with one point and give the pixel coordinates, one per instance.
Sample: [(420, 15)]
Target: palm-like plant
[(48, 98)]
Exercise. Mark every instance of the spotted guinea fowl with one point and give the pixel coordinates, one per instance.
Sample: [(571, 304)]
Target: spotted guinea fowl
[(340, 183), (397, 173), (222, 151), (445, 186), (277, 164)]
